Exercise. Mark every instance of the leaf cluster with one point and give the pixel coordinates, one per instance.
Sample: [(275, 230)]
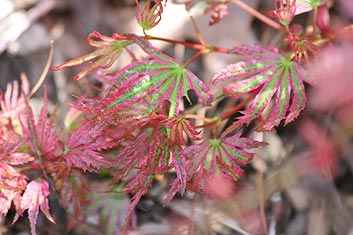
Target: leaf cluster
[(138, 128)]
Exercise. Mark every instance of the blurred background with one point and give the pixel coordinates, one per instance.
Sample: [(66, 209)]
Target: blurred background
[(301, 183)]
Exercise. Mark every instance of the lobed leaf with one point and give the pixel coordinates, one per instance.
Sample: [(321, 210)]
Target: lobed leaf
[(150, 16), (147, 152), (139, 186), (39, 135), (107, 52), (34, 198), (160, 77), (83, 146), (222, 157), (135, 114), (111, 207), (179, 128), (12, 184), (266, 74), (303, 6), (11, 102)]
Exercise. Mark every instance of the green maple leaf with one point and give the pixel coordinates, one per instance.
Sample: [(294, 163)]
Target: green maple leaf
[(160, 77), (223, 156), (111, 207), (269, 75)]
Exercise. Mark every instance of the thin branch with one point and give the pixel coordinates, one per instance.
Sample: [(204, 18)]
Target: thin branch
[(45, 70), (258, 15)]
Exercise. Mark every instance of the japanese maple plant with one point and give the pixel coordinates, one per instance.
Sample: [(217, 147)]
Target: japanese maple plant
[(138, 128)]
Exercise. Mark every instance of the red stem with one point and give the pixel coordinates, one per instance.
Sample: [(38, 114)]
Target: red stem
[(258, 15), (234, 110), (197, 55), (197, 46)]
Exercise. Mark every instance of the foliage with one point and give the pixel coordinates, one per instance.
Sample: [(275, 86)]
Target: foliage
[(138, 128), (266, 74)]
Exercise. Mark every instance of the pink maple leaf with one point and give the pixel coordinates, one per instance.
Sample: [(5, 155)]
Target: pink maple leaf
[(12, 185), (39, 135), (333, 94), (323, 157), (11, 102), (34, 198)]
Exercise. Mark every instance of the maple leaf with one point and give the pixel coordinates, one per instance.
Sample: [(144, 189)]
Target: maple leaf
[(73, 191), (12, 185), (112, 209), (267, 73), (147, 152), (150, 16), (333, 61), (107, 52), (134, 114), (301, 47), (83, 146), (223, 157), (139, 185), (160, 77), (34, 198), (11, 102), (10, 149), (285, 10), (303, 6), (39, 135), (178, 128)]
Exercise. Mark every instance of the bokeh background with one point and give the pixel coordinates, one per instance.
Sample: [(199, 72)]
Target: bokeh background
[(300, 183)]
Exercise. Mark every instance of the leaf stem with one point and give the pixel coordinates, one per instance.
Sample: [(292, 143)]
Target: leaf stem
[(196, 46), (234, 110), (315, 20), (197, 55), (193, 116), (258, 15)]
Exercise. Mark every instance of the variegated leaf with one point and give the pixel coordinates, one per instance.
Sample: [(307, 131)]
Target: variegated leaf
[(269, 75), (160, 77), (223, 156)]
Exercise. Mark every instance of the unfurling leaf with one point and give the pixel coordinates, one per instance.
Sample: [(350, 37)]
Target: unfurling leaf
[(160, 77), (285, 10), (149, 17), (179, 129), (108, 50), (34, 198), (266, 74), (301, 47)]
